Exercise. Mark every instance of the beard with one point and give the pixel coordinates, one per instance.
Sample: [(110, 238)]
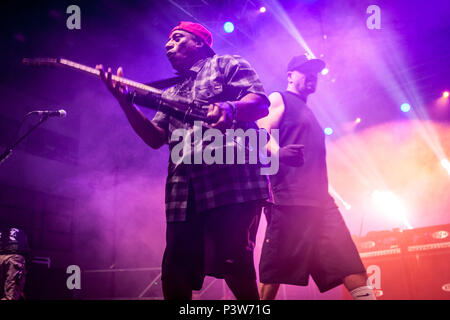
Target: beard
[(307, 88), (310, 85)]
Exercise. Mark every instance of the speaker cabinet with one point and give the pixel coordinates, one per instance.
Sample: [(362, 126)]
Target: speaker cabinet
[(431, 275), (407, 264)]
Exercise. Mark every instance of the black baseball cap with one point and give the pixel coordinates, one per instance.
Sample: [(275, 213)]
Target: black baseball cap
[(302, 63)]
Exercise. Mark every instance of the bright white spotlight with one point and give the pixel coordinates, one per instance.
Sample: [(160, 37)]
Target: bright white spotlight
[(262, 9), (328, 131), (405, 107), (446, 94), (446, 164), (228, 27), (325, 71), (391, 206)]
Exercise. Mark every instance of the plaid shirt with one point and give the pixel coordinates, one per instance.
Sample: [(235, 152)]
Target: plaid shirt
[(214, 79)]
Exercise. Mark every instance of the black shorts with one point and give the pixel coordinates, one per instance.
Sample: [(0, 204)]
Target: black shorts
[(216, 243), (304, 241)]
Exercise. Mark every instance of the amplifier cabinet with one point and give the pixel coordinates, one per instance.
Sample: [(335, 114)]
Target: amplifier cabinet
[(407, 264)]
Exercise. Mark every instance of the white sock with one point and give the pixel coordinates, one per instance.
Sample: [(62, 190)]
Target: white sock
[(363, 293)]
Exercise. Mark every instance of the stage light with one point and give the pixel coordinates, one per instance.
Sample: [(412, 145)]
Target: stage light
[(446, 164), (280, 14), (358, 120), (391, 206), (446, 94), (405, 107), (328, 131), (325, 71), (262, 9), (228, 27), (333, 192)]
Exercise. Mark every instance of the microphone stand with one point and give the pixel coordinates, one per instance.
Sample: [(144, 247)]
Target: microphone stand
[(9, 149)]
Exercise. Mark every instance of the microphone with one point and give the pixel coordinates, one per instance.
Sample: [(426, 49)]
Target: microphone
[(60, 113)]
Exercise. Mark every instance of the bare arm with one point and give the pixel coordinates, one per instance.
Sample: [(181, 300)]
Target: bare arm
[(273, 119), (150, 133), (291, 154), (249, 109)]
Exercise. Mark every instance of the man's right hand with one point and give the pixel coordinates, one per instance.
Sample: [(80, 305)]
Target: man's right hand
[(292, 155), (118, 90)]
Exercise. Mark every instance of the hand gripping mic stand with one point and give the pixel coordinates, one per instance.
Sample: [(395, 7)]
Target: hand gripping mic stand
[(9, 149)]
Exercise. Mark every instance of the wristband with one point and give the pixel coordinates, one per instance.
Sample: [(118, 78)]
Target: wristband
[(233, 112)]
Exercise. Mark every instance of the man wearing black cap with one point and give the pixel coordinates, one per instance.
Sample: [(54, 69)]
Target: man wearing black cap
[(306, 234), (212, 210)]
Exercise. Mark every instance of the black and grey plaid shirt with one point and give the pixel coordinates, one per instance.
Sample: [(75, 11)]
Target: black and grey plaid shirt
[(214, 79)]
